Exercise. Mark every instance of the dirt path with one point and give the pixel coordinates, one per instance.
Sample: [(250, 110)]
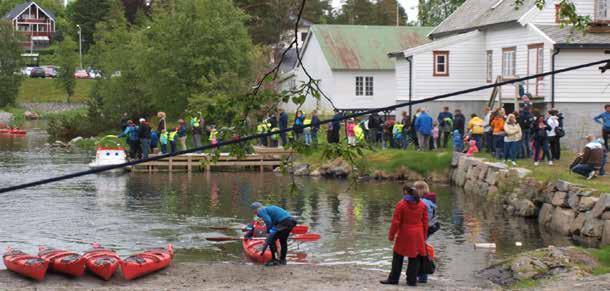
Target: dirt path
[(230, 276)]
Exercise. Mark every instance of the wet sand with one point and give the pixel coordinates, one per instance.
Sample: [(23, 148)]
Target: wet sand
[(229, 276)]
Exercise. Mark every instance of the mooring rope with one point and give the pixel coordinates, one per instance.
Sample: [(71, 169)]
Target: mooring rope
[(268, 134)]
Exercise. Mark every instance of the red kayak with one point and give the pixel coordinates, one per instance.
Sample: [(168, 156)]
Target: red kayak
[(259, 227), (61, 261), (102, 262), (24, 264), (147, 262), (13, 131), (253, 248)]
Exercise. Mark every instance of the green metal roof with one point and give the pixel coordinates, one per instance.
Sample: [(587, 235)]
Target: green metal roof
[(366, 47)]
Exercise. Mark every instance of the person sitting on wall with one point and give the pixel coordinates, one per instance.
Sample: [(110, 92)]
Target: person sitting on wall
[(590, 160)]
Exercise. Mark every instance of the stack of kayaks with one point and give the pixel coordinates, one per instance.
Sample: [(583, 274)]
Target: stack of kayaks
[(99, 261)]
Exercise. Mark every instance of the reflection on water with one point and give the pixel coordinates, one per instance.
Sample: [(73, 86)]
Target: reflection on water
[(134, 212)]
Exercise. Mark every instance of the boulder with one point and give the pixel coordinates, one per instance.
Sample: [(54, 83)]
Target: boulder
[(473, 173), (76, 139), (546, 212), (315, 173), (526, 267), (30, 115), (587, 203), (562, 186), (301, 170), (559, 199), (605, 216), (492, 176), (524, 207), (606, 233), (601, 206), (521, 172), (483, 173), (573, 200), (561, 220), (578, 223), (592, 227), (455, 159), (493, 191)]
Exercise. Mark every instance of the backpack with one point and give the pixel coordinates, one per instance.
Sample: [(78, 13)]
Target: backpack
[(559, 132)]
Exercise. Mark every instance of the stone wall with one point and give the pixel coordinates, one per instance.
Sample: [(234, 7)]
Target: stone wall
[(571, 210)]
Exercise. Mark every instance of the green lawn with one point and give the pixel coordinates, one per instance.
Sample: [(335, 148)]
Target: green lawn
[(45, 90), (559, 170), (603, 257)]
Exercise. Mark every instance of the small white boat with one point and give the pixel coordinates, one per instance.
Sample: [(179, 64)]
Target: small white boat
[(108, 157)]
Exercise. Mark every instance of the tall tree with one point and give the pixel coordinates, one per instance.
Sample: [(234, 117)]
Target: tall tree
[(433, 12), (86, 14), (386, 10), (10, 57), (66, 57)]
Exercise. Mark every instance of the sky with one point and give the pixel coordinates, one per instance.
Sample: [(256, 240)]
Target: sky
[(409, 5)]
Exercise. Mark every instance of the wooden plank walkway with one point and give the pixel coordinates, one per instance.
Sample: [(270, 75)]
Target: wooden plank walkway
[(263, 158)]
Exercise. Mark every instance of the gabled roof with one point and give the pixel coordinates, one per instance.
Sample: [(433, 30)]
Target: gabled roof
[(18, 10), (303, 22), (290, 60), (363, 47), (474, 14), (568, 37), (441, 43)]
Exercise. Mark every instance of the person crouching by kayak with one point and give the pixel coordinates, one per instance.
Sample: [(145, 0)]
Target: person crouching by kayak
[(429, 198), (279, 224), (409, 227)]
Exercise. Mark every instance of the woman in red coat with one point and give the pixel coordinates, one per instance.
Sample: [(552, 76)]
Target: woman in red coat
[(409, 227)]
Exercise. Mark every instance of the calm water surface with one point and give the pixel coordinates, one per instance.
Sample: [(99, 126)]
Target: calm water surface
[(131, 212)]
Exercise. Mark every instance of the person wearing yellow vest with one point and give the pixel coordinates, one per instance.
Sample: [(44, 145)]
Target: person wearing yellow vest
[(197, 126), (163, 140), (261, 128), (359, 133), (173, 138), (213, 138), (307, 131), (476, 127), (398, 133)]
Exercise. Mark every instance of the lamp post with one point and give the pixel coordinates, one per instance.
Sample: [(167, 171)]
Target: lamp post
[(80, 45)]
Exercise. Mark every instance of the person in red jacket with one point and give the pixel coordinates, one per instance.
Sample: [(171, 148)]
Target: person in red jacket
[(409, 227)]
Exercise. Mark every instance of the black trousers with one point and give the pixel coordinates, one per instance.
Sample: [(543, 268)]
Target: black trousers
[(412, 269), (283, 231), (555, 147), (605, 135)]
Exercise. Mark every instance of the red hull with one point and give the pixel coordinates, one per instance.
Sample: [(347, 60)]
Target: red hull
[(26, 265), (147, 262), (102, 262), (252, 249), (65, 262), (13, 131)]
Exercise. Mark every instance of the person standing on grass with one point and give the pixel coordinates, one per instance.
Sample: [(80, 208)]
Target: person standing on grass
[(497, 126), (423, 126), (590, 159), (336, 126), (487, 132), (476, 127), (315, 127), (445, 121), (283, 124), (459, 121), (351, 134), (541, 141), (406, 130), (408, 231), (512, 138), (554, 146), (435, 134), (525, 120), (604, 120)]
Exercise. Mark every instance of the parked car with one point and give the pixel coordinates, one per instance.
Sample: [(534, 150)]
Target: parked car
[(37, 72), (95, 74), (81, 74), (50, 72), (26, 71)]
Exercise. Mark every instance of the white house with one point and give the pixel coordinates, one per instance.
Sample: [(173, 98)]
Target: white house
[(351, 64), (484, 40)]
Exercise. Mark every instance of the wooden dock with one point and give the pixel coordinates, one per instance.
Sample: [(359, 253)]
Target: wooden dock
[(263, 159)]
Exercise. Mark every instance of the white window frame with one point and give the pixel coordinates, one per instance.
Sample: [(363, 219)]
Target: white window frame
[(509, 62), (489, 66)]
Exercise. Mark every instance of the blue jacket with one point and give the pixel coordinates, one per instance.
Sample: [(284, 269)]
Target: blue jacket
[(442, 116), (604, 120), (457, 137), (431, 211), (131, 132), (272, 215), (154, 139), (182, 131), (283, 120), (423, 124)]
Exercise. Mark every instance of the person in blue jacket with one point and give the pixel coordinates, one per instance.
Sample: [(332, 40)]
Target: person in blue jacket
[(133, 139), (423, 127), (604, 120), (283, 123), (458, 141), (279, 224)]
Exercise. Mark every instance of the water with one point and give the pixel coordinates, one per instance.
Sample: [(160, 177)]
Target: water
[(131, 212)]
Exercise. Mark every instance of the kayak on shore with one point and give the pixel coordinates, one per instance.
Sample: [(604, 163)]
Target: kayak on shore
[(33, 267), (147, 262), (102, 262), (61, 261)]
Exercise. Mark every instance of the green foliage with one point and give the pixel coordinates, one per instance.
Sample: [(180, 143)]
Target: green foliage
[(10, 61), (67, 59), (70, 124), (45, 90), (87, 13), (367, 12), (433, 12), (603, 257)]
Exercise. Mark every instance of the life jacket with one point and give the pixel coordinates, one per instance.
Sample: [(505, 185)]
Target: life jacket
[(261, 128), (397, 131), (275, 136), (172, 135), (195, 122), (358, 132), (213, 135), (307, 121), (163, 138)]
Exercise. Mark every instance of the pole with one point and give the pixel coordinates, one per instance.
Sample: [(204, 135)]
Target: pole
[(80, 45), (397, 13)]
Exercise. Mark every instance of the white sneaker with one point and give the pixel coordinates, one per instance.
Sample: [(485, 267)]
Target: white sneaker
[(513, 162), (550, 163), (591, 175), (536, 163)]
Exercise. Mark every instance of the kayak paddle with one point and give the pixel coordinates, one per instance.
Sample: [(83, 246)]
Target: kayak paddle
[(299, 229), (305, 237)]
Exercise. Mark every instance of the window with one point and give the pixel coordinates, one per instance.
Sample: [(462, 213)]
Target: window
[(509, 62), (557, 13), (359, 86), (441, 63), (601, 10), (303, 36), (490, 67), (368, 86), (540, 61)]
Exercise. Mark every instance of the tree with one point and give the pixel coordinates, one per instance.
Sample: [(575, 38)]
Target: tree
[(10, 60), (87, 13), (433, 12), (66, 57)]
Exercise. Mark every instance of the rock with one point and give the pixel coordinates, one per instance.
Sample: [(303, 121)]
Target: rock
[(593, 227), (606, 233), (59, 143), (522, 172), (301, 170), (586, 203), (561, 220), (546, 212), (510, 209), (29, 115), (559, 199), (601, 206), (473, 173), (492, 176), (455, 159), (524, 207), (605, 216), (562, 186), (493, 191), (76, 139), (573, 200), (315, 173), (525, 267), (483, 173), (578, 223)]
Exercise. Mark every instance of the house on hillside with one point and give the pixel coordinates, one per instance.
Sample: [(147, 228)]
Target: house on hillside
[(488, 40), (36, 24), (351, 64)]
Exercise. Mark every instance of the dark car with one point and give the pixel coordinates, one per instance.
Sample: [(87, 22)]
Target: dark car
[(38, 72)]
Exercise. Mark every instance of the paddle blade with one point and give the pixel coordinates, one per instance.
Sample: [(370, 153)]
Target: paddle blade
[(300, 229), (306, 237), (222, 238)]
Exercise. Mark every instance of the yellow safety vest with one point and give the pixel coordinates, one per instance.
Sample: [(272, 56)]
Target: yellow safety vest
[(307, 122), (261, 128), (172, 135), (358, 132), (195, 122), (275, 136), (213, 135)]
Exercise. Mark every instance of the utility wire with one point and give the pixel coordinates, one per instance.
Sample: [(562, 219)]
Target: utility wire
[(605, 62)]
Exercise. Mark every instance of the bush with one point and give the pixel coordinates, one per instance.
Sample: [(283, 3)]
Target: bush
[(68, 125)]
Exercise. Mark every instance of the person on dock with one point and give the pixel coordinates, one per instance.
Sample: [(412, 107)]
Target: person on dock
[(173, 138), (279, 224), (262, 128), (182, 134), (604, 120), (131, 134), (154, 141), (283, 124), (163, 141), (429, 198), (162, 123), (410, 228), (197, 126), (144, 135), (213, 138)]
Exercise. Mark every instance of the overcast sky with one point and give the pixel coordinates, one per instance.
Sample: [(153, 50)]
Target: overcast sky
[(409, 5)]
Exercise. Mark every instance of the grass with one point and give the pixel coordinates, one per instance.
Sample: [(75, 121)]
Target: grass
[(603, 257), (526, 284), (18, 117), (34, 90), (559, 171)]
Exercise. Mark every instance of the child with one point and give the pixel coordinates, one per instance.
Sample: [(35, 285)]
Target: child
[(472, 148), (429, 198), (351, 134), (213, 136), (435, 134), (154, 140), (173, 138), (458, 144), (163, 139), (397, 132)]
